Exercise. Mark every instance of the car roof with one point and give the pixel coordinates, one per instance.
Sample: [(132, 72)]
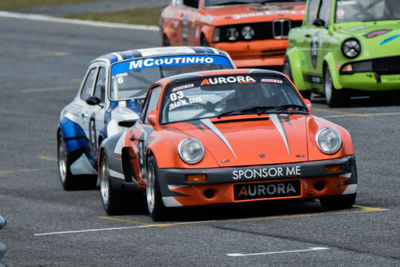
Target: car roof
[(194, 75), (157, 51)]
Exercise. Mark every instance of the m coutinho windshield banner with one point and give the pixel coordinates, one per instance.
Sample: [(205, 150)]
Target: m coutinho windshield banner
[(168, 61)]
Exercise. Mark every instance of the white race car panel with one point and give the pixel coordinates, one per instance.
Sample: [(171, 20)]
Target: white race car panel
[(113, 90)]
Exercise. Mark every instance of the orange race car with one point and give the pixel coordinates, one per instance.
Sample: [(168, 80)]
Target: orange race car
[(227, 136), (253, 32)]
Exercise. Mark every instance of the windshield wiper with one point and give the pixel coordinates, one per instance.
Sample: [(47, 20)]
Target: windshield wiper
[(257, 109), (303, 109), (231, 3)]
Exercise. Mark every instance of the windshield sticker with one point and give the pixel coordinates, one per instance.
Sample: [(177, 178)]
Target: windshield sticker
[(346, 3), (151, 62), (271, 81), (229, 79), (377, 33), (271, 7), (359, 28), (180, 102), (388, 40), (120, 80), (182, 87), (267, 13)]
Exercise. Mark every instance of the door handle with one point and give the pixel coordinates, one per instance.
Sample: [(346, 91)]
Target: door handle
[(84, 115), (308, 35), (132, 138)]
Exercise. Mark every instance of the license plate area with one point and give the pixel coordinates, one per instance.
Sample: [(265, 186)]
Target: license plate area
[(277, 189)]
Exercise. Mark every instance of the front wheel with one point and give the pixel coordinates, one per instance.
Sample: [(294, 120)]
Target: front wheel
[(155, 205), (335, 203), (203, 41), (288, 71), (333, 97)]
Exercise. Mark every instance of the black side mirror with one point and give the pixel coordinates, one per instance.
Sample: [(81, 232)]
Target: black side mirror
[(191, 3), (126, 123), (319, 22), (93, 100)]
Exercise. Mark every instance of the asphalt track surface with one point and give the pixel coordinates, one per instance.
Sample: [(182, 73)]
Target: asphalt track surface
[(41, 64)]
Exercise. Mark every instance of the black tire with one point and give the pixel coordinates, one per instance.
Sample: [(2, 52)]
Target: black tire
[(111, 199), (335, 203), (165, 40), (333, 97), (203, 41), (155, 205)]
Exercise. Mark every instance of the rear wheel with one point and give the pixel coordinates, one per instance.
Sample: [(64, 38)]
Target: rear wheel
[(333, 97), (155, 205), (335, 203), (112, 202)]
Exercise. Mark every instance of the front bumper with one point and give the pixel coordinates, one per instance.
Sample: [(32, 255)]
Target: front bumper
[(312, 178), (256, 53), (377, 74)]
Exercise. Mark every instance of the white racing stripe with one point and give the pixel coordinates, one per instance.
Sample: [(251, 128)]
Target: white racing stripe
[(51, 89), (14, 15), (277, 252)]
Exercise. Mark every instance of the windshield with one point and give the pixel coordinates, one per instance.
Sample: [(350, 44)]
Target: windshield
[(228, 96), (367, 10), (131, 78), (213, 3)]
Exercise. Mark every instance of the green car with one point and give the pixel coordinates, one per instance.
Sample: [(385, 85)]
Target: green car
[(346, 47)]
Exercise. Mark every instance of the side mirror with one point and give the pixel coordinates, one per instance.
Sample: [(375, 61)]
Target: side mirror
[(126, 123), (191, 3), (319, 22), (308, 103), (93, 100), (152, 117)]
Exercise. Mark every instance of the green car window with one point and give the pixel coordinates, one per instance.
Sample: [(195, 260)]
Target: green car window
[(367, 10)]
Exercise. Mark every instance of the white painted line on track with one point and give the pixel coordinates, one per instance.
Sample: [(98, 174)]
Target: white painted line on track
[(39, 90), (363, 115), (36, 17), (158, 225), (277, 252), (94, 230)]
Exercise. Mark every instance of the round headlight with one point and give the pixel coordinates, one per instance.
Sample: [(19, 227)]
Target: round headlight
[(351, 48), (191, 150), (248, 32), (232, 34), (329, 141)]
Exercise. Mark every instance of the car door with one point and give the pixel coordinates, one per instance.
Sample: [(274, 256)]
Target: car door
[(317, 46), (309, 34), (97, 112), (144, 130)]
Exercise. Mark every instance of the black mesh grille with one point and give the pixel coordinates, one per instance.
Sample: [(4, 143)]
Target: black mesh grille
[(262, 31), (389, 65)]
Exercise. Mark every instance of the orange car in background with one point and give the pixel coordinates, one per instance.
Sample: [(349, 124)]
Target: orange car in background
[(253, 32)]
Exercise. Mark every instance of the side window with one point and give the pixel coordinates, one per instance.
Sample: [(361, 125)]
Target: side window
[(312, 11), (325, 11), (151, 103), (87, 88), (191, 3), (100, 89)]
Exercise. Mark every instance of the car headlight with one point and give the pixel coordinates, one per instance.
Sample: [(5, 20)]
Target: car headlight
[(351, 48), (248, 32), (328, 140), (191, 150), (232, 34)]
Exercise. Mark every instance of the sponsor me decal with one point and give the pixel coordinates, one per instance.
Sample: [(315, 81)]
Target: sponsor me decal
[(262, 173)]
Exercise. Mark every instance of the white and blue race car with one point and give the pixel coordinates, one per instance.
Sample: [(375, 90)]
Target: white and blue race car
[(111, 97)]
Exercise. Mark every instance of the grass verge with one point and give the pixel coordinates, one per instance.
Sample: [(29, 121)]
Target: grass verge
[(139, 16), (14, 4)]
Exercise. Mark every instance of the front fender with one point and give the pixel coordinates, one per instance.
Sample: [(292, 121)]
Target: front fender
[(295, 59), (329, 61)]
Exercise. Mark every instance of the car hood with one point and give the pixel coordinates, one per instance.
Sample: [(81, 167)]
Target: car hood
[(254, 13), (251, 141), (376, 38)]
